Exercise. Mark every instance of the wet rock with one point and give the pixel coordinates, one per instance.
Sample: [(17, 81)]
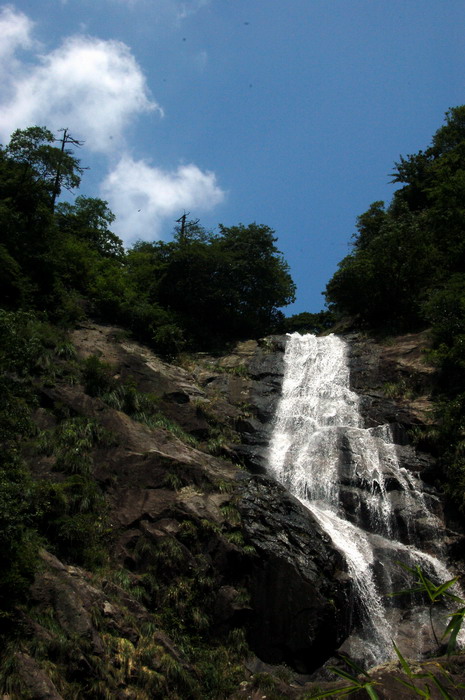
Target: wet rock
[(297, 597), (266, 370), (390, 681)]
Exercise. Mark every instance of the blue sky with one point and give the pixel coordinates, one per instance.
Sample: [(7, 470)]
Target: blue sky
[(289, 113)]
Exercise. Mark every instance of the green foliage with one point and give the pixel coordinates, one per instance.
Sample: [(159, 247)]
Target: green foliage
[(72, 513), (72, 520), (32, 148), (369, 225), (13, 285), (445, 309), (182, 595), (237, 370), (97, 376), (357, 678), (403, 254), (436, 593), (417, 682), (88, 219), (71, 443), (20, 342), (199, 290), (309, 323), (169, 339), (22, 347), (19, 541), (159, 420), (216, 287), (28, 349), (420, 681), (385, 280), (231, 514), (402, 389)]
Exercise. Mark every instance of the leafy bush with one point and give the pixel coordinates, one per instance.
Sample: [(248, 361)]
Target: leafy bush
[(72, 519), (97, 376)]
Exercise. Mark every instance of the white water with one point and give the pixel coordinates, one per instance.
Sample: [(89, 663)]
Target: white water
[(321, 453)]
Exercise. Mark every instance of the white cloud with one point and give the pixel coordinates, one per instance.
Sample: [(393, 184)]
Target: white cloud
[(143, 196), (15, 32), (96, 88), (92, 86)]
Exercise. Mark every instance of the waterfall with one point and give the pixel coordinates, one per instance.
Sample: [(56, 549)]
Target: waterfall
[(350, 479)]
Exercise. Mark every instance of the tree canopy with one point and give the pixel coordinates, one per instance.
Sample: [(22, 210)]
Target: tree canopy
[(55, 167), (403, 253), (218, 287), (197, 290)]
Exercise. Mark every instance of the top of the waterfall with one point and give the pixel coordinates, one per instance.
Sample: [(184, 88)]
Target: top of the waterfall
[(324, 340), (312, 335), (317, 377)]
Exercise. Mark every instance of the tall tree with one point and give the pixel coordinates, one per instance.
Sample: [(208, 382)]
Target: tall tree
[(56, 167)]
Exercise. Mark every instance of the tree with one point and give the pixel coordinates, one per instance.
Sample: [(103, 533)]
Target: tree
[(56, 167), (306, 322), (414, 171), (385, 282), (13, 286), (452, 133), (369, 225), (27, 226), (216, 288), (88, 219), (258, 276)]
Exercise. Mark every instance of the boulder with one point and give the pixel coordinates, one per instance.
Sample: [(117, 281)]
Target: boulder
[(34, 682), (297, 582)]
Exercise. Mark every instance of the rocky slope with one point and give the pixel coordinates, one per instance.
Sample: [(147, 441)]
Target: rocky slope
[(212, 570)]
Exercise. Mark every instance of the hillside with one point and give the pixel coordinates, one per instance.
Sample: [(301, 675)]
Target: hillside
[(178, 540), (167, 569)]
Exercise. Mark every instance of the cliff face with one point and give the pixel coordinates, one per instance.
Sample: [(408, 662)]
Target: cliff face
[(200, 550), (202, 555)]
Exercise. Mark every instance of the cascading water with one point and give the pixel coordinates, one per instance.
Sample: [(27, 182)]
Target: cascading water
[(350, 479)]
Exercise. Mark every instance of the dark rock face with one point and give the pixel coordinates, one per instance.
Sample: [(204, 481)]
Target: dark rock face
[(34, 681), (264, 389), (393, 380), (297, 584)]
